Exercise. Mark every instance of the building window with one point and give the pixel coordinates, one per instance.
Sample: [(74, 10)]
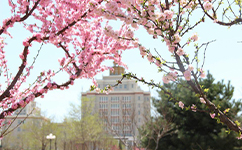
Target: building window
[(138, 112), (103, 99), (138, 97), (114, 120), (126, 106), (115, 106), (139, 105), (114, 99), (120, 86), (103, 106), (125, 86), (19, 129), (126, 98), (114, 112), (132, 85)]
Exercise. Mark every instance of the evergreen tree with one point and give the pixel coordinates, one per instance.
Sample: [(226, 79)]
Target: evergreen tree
[(194, 130)]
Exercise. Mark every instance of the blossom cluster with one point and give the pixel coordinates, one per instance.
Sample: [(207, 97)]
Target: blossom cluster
[(159, 19), (72, 27)]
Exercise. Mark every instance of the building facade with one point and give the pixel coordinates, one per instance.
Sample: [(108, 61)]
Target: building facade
[(123, 110)]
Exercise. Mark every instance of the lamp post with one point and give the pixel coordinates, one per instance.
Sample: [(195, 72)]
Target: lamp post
[(50, 137)]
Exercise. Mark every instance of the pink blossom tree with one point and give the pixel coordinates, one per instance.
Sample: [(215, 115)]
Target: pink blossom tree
[(174, 22), (75, 28)]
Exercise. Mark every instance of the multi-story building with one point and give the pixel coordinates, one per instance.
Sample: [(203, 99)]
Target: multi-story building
[(123, 110)]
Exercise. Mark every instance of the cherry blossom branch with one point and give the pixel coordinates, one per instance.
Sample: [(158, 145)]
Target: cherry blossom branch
[(16, 19), (235, 21), (6, 93)]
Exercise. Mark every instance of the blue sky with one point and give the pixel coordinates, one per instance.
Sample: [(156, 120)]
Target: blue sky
[(223, 60)]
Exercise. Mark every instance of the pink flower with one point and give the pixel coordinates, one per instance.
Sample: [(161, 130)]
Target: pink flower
[(181, 105), (202, 100), (38, 37), (21, 56), (158, 63), (169, 14), (150, 57), (129, 20), (54, 86), (151, 31), (187, 75), (110, 89), (162, 17), (194, 108), (171, 49), (190, 67), (62, 61), (172, 76), (142, 51), (194, 37), (165, 79), (49, 85), (26, 43), (212, 115), (191, 4), (177, 38), (240, 137), (158, 32), (134, 25), (182, 13), (112, 6), (129, 34), (180, 52), (207, 5), (202, 75), (136, 44), (215, 20), (21, 103), (14, 105), (97, 90)]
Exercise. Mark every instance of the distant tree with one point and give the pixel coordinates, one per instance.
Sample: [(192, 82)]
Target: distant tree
[(84, 127), (195, 131), (32, 136), (36, 132)]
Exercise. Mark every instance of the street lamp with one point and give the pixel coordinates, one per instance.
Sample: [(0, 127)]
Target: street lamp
[(50, 137)]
